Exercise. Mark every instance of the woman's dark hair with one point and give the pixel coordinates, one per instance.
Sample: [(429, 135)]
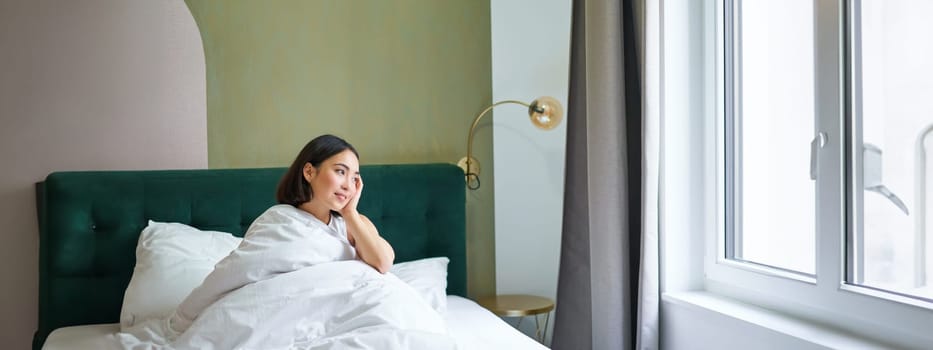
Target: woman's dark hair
[(293, 188)]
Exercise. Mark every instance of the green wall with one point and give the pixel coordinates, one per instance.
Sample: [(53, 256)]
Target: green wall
[(401, 80)]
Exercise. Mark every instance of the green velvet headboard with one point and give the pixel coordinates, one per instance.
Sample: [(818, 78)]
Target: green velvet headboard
[(89, 223)]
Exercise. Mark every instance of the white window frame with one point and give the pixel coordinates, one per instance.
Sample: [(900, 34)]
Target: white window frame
[(824, 298)]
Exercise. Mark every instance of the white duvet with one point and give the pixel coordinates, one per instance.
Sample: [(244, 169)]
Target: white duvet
[(336, 305)]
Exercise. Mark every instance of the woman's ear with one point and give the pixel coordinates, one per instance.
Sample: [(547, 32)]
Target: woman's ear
[(308, 171)]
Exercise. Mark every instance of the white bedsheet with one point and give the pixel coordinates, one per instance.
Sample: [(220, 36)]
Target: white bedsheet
[(334, 305), (471, 326)]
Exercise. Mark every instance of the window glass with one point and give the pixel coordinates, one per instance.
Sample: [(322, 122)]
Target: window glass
[(774, 127), (894, 143)]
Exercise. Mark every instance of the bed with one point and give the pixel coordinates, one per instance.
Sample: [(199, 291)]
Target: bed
[(90, 223)]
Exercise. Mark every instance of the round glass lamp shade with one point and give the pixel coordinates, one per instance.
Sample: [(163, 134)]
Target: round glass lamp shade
[(545, 112)]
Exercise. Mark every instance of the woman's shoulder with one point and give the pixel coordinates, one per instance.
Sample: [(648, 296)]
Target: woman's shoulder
[(279, 213), (278, 220), (281, 208)]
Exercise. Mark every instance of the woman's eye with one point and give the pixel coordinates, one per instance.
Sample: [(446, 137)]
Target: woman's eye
[(340, 171)]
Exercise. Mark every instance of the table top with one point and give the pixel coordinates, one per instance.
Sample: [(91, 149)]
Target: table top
[(513, 305)]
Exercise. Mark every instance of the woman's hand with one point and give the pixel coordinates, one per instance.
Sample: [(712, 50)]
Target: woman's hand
[(350, 208), (364, 236)]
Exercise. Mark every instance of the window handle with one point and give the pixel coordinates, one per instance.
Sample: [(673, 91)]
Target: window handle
[(871, 176), (818, 142)]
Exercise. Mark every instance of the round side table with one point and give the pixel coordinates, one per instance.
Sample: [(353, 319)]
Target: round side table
[(521, 305)]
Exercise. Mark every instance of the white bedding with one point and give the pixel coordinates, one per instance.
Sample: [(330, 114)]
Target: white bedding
[(470, 325), (335, 305)]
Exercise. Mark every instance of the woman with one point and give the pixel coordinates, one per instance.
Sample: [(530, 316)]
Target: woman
[(316, 221)]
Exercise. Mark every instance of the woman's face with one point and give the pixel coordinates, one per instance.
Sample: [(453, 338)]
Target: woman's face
[(334, 182)]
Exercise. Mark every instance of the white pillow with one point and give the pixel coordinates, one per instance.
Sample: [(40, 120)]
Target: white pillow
[(171, 260), (428, 277)]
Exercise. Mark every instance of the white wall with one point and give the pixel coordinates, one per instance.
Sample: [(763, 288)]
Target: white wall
[(530, 58), (92, 84), (711, 330), (697, 320)]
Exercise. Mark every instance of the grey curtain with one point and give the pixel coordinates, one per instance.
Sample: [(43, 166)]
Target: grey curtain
[(607, 296)]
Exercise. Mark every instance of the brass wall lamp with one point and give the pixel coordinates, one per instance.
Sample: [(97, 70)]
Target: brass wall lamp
[(545, 113)]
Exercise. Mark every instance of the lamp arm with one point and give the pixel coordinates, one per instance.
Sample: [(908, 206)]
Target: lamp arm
[(473, 128)]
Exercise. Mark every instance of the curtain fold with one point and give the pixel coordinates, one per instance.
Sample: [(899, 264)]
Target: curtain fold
[(608, 292)]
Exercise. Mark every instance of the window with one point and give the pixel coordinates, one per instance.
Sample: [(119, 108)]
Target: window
[(771, 127), (826, 116), (892, 119)]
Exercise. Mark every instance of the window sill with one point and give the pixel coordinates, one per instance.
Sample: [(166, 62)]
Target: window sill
[(692, 317)]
